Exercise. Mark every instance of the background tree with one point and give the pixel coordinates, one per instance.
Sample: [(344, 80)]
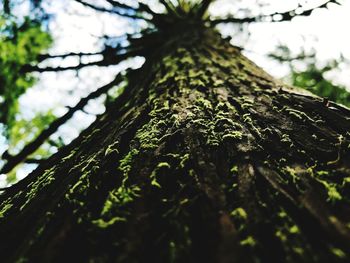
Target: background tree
[(22, 40), (313, 78), (204, 157)]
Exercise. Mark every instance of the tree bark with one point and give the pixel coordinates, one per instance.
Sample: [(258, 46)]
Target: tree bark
[(204, 158)]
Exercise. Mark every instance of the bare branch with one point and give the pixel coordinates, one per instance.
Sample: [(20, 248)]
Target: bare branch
[(34, 160), (55, 69), (14, 160), (275, 17), (171, 9), (145, 8), (203, 8), (109, 58), (113, 11), (122, 6), (42, 57)]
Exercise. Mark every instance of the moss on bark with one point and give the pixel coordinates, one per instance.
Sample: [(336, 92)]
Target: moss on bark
[(204, 158)]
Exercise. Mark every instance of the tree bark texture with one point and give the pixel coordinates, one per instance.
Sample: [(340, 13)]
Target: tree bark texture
[(204, 158)]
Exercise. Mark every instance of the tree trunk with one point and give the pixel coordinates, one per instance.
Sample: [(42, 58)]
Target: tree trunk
[(204, 158)]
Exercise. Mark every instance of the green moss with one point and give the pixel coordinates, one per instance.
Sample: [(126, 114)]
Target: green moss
[(204, 103), (298, 250), (247, 118), (239, 213), (293, 173), (125, 163), (338, 252), (294, 229), (331, 188), (4, 208), (198, 83), (154, 181), (112, 149), (101, 223), (154, 173), (41, 182), (248, 241), (149, 135), (175, 119), (184, 160), (120, 197), (72, 153), (322, 173), (286, 139), (234, 169), (283, 237), (235, 135), (187, 60), (346, 181), (80, 188), (246, 102), (282, 214), (299, 114)]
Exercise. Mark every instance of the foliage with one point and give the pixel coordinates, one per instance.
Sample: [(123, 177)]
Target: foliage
[(20, 45), (313, 77), (23, 130), (314, 80)]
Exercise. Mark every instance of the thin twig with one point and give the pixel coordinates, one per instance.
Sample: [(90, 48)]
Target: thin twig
[(274, 17), (113, 11)]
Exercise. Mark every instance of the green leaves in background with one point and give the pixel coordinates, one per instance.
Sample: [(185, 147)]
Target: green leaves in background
[(20, 45), (312, 77), (24, 131), (313, 80)]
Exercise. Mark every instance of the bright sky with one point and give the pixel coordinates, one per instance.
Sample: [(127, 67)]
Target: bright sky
[(75, 29)]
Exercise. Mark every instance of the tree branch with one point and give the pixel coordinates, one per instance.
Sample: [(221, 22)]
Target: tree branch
[(121, 6), (34, 160), (145, 8), (275, 17), (113, 11), (203, 8), (171, 9), (14, 160), (42, 57), (109, 58), (55, 69)]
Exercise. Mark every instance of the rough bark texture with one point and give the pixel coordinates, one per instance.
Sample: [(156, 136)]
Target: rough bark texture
[(204, 158)]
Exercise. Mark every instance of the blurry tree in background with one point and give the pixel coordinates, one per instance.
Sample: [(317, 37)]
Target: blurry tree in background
[(200, 155), (312, 76), (22, 39)]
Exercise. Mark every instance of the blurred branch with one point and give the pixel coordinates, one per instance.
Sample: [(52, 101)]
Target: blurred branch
[(42, 57), (6, 7), (14, 160), (283, 58), (203, 8), (54, 69), (145, 8), (171, 9), (115, 11), (122, 6), (34, 160), (274, 17), (109, 58)]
